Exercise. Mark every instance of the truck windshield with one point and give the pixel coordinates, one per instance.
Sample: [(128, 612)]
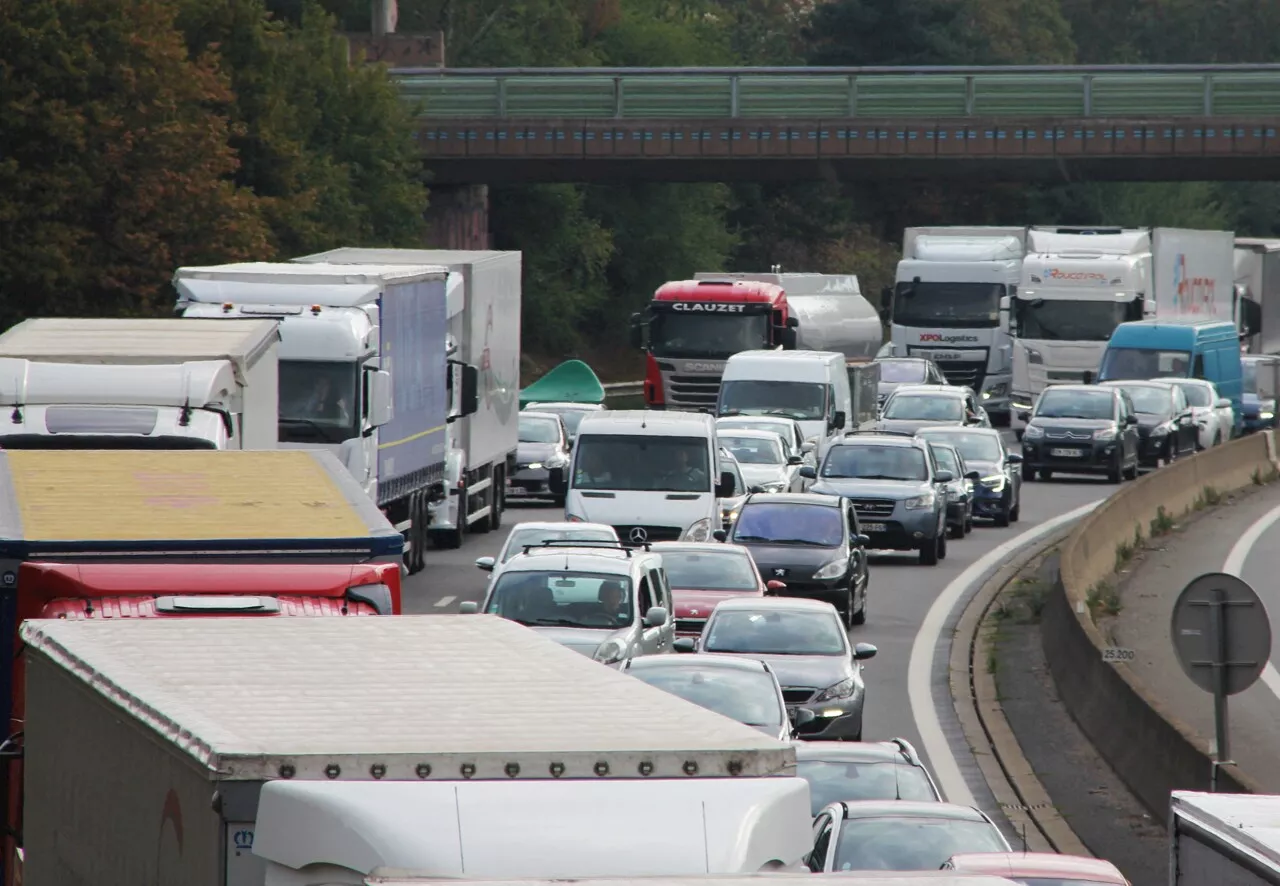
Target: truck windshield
[(948, 305), (562, 599), (801, 400), (707, 336), (1072, 319), (318, 402), (648, 463), (1122, 364)]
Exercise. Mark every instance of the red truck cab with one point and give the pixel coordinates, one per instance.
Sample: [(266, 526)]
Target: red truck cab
[(692, 327)]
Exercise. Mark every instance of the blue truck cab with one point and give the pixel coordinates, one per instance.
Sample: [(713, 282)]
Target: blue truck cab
[(1181, 348)]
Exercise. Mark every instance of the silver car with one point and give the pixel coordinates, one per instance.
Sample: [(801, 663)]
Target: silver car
[(533, 534), (763, 459)]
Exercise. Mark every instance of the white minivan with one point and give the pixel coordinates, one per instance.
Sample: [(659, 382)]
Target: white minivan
[(811, 387), (651, 475)]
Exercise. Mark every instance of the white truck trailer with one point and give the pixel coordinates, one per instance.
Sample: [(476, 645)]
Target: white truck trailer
[(233, 752), (138, 384), (950, 303), (1258, 283), (362, 369), (1079, 284), (1223, 839), (484, 334)]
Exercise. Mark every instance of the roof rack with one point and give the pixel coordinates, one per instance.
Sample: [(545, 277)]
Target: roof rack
[(582, 543), (857, 432)]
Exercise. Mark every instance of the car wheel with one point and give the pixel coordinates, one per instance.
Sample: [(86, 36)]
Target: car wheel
[(1132, 473), (929, 552), (1115, 473), (1217, 438), (1015, 513), (956, 530), (968, 523), (1002, 518), (860, 616), (942, 543), (1028, 472)]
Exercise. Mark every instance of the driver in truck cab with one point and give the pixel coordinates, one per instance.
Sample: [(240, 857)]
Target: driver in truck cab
[(323, 403)]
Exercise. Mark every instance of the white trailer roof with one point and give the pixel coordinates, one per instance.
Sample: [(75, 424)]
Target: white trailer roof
[(422, 696), (355, 255), (1250, 820), (139, 341), (848, 878)]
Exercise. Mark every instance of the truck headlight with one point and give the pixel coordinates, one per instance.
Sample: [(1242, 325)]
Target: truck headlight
[(699, 531), (843, 689), (610, 652), (834, 569), (920, 502)]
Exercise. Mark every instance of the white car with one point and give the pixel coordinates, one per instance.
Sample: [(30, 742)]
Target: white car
[(786, 428), (763, 459), (1215, 419), (537, 534)]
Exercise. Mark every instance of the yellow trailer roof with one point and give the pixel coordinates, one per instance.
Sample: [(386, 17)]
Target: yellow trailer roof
[(118, 495)]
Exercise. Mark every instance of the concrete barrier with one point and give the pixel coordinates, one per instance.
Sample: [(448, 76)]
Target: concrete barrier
[(1150, 749)]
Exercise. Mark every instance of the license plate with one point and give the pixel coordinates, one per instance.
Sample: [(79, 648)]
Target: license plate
[(873, 527), (1066, 453)]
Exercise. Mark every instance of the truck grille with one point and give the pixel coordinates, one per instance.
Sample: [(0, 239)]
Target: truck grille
[(695, 391), (652, 533), (872, 507), (966, 373), (796, 695)]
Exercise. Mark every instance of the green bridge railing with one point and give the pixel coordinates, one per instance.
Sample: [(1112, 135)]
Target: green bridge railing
[(704, 93)]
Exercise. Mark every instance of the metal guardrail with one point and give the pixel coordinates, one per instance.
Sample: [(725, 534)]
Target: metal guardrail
[(706, 93), (623, 389)]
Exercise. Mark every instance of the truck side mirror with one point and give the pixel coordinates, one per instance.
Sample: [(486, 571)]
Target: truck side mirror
[(786, 337), (469, 396), (556, 481), (837, 422), (379, 411), (724, 489)]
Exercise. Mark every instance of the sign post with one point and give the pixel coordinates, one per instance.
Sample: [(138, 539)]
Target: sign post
[(1222, 637)]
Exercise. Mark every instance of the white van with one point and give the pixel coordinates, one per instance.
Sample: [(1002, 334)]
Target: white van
[(651, 475), (811, 387)]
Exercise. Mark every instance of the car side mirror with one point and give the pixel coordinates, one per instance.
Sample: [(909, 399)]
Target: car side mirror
[(943, 477), (1221, 403), (794, 460), (802, 717), (838, 420), (470, 607), (485, 563), (685, 644), (754, 489), (973, 475), (719, 535), (1024, 415), (379, 397), (656, 617), (809, 472), (1013, 458), (1131, 419), (862, 540), (724, 489), (556, 481), (863, 651), (775, 585)]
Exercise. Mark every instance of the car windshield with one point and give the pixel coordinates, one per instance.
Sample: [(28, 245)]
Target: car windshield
[(868, 461), (901, 371), (786, 523), (653, 463), (562, 598), (749, 697), (539, 430), (753, 450), (974, 447), (1197, 395), (1150, 400), (924, 407), (318, 402), (520, 536), (570, 416), (710, 571), (834, 781), (1136, 363), (1075, 404), (946, 459), (785, 431), (801, 400), (774, 632), (908, 843)]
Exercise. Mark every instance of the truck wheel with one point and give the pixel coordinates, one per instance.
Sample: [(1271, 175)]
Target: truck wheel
[(492, 498), (413, 558), (499, 498)]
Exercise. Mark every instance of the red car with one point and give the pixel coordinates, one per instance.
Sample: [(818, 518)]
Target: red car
[(701, 574), (1039, 868)]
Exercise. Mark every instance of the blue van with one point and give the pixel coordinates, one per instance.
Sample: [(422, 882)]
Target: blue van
[(1180, 348)]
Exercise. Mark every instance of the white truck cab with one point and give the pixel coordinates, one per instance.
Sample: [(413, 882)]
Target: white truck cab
[(652, 476), (811, 387)]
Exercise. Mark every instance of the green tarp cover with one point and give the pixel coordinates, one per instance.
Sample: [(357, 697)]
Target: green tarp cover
[(570, 382)]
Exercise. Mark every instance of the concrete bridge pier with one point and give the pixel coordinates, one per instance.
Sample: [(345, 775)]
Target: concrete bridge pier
[(458, 217)]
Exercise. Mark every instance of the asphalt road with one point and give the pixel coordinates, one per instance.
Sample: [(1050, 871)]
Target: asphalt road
[(901, 594)]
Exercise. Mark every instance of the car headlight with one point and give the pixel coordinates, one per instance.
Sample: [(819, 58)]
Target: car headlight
[(920, 502), (1103, 434), (834, 569), (1032, 432), (574, 518), (773, 487), (843, 689), (535, 466), (995, 482), (610, 652), (997, 390), (1266, 415), (1019, 404), (1161, 430), (699, 531)]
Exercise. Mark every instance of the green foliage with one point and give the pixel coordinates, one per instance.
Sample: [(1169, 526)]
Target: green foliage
[(114, 161), (890, 32)]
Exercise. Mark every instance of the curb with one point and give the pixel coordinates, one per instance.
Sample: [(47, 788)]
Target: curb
[(1018, 792)]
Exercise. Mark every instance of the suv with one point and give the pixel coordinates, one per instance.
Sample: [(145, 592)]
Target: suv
[(897, 490), (604, 600)]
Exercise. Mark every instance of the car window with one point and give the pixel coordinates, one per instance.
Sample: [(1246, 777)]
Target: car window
[(946, 459), (539, 430), (832, 781), (711, 571), (659, 590), (1152, 400), (1074, 404), (753, 450), (749, 697), (819, 855), (562, 598), (973, 445), (902, 843), (646, 596), (871, 461), (766, 522), (904, 371), (773, 632), (1197, 395), (520, 537), (924, 407)]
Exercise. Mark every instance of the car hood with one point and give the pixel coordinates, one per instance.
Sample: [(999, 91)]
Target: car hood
[(801, 559), (698, 604), (528, 453), (818, 671), (1079, 425), (854, 488), (1147, 421), (911, 425), (758, 475), (584, 640)]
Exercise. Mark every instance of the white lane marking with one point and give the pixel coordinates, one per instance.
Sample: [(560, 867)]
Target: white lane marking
[(924, 707), (445, 601), (1235, 565)]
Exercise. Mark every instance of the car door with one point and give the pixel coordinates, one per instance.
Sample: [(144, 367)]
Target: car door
[(857, 553), (1132, 438), (661, 590), (823, 828), (1187, 430), (649, 638)]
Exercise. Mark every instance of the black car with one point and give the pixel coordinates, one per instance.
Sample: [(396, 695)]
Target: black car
[(810, 542), (1166, 424), (542, 445), (1081, 429), (997, 493), (865, 770)]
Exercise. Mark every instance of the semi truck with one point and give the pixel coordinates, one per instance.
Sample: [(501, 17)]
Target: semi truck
[(1079, 284), (130, 534), (1223, 838), (314, 751), (1257, 264), (483, 350), (950, 303), (139, 384), (362, 369)]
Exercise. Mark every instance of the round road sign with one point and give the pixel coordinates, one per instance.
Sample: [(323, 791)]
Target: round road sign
[(1246, 647)]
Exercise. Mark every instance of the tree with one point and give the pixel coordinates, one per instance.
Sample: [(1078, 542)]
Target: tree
[(114, 160), (890, 32), (327, 146)]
